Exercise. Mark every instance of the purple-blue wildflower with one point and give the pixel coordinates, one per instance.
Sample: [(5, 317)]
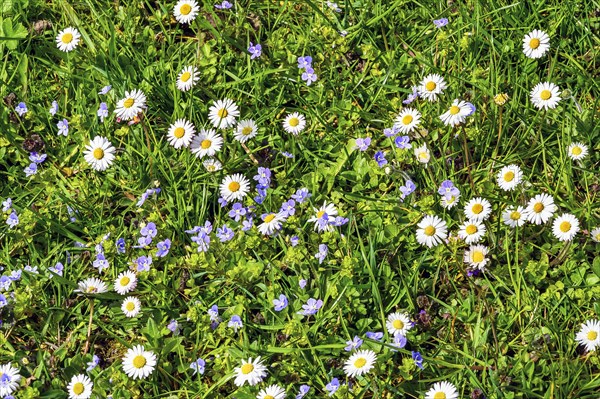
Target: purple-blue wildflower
[(255, 50), (280, 303), (363, 144), (163, 248), (63, 127), (311, 307)]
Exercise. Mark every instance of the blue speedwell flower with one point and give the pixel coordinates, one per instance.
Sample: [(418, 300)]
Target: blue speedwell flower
[(63, 127), (418, 359), (353, 344), (225, 5), (31, 169), (407, 189), (380, 159), (224, 233), (163, 248), (58, 269), (439, 23), (311, 307), (309, 76), (6, 204), (21, 109), (13, 219), (255, 50), (235, 322), (402, 142), (100, 263), (333, 386), (237, 211), (173, 326), (301, 195), (288, 208), (363, 143), (105, 90), (37, 158), (120, 245), (143, 263), (93, 364), (305, 62), (376, 336), (102, 112), (323, 250), (280, 303), (303, 391), (448, 190), (54, 108), (198, 366)]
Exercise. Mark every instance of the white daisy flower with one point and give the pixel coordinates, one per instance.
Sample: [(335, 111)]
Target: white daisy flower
[(514, 216), (422, 154), (11, 378), (80, 387), (449, 202), (250, 371), (185, 11), (398, 323), (234, 187), (408, 120), (545, 95), (271, 223), (536, 43), (431, 86), (457, 113), (222, 113), (431, 231), (187, 78), (595, 234), (540, 209), (442, 390), (131, 306), (565, 227), (132, 104), (475, 256), (67, 39), (324, 216), (509, 177), (181, 133), (100, 153), (478, 209), (92, 285), (271, 392), (577, 151), (206, 143), (589, 335), (212, 165), (138, 362), (471, 231), (360, 362), (245, 130), (294, 123), (125, 282)]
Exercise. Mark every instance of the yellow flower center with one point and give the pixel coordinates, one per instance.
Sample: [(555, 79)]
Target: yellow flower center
[(98, 153), (234, 186), (269, 217), (429, 231), (130, 306), (407, 119), (205, 144), (185, 9), (534, 43), (592, 335), (439, 395), (91, 289), (538, 207), (398, 324), (67, 38), (515, 215), (478, 256), (222, 113), (186, 76), (454, 110), (320, 214), (545, 94), (509, 176), (125, 280), (360, 362), (565, 226), (471, 229), (576, 150), (78, 388), (430, 86), (246, 130), (477, 209), (500, 99), (294, 122), (179, 132), (128, 103), (139, 361), (423, 155), (247, 368), (268, 397)]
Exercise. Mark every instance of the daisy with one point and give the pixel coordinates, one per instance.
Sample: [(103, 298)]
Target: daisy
[(324, 217), (271, 222), (187, 78), (294, 123), (408, 120), (422, 154), (509, 177), (68, 39), (545, 95), (442, 390), (100, 153), (92, 285), (595, 233), (234, 187), (125, 282), (475, 256), (185, 11), (222, 113), (245, 130), (449, 202), (139, 363), (472, 231), (457, 113), (80, 387), (9, 378), (514, 216), (431, 86), (432, 230), (577, 151), (181, 133), (536, 43), (360, 362), (565, 227), (398, 323), (478, 209), (132, 104), (206, 143), (250, 371), (212, 165), (271, 392), (540, 209), (131, 306), (589, 335)]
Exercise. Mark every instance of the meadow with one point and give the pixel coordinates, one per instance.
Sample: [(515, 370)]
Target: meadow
[(287, 199)]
